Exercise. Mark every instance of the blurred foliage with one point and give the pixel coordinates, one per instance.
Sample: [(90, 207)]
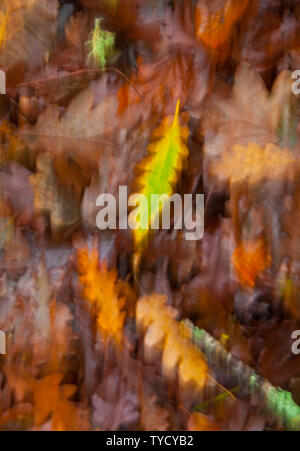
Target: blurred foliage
[(92, 318)]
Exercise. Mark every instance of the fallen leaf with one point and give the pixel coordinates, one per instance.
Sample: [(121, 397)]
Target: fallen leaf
[(100, 289), (51, 399), (163, 331), (153, 416), (27, 31), (215, 20), (250, 258), (52, 197), (254, 163)]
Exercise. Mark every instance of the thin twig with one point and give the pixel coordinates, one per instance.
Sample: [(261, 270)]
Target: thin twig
[(80, 72)]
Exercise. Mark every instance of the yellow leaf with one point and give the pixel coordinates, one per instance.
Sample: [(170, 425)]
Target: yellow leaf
[(163, 331), (100, 289), (254, 163)]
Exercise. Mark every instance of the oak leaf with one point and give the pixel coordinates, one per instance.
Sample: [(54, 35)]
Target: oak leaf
[(100, 290), (251, 114), (193, 72), (51, 400), (77, 132), (254, 163), (164, 332)]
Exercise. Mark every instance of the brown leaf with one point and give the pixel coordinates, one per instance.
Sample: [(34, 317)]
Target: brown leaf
[(115, 403), (27, 30), (79, 130), (52, 197), (153, 416), (252, 115)]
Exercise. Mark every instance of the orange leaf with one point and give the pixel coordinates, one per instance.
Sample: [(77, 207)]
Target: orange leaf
[(215, 20), (100, 289), (199, 422), (250, 258), (52, 400), (47, 397)]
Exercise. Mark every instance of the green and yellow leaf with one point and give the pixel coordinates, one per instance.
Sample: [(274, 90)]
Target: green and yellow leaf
[(160, 169)]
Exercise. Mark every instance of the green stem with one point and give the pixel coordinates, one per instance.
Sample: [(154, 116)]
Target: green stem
[(278, 402)]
